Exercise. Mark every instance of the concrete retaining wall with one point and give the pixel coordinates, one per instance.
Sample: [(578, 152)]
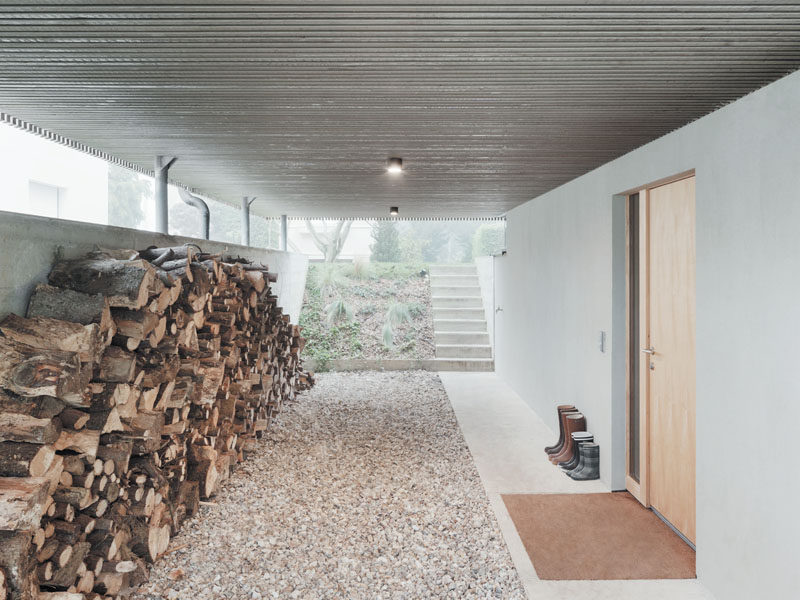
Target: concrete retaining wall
[(28, 245)]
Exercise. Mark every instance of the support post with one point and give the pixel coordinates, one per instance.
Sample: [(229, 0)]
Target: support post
[(161, 176), (245, 221), (284, 233)]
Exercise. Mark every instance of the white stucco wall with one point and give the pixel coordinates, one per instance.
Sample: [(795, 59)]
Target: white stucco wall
[(28, 245), (562, 283)]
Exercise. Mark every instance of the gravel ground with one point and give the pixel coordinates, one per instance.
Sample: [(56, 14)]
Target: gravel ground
[(364, 489)]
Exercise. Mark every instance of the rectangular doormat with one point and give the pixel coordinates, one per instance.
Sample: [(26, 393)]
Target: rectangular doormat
[(597, 536)]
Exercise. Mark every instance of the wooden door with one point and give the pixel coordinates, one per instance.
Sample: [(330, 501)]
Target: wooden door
[(666, 307)]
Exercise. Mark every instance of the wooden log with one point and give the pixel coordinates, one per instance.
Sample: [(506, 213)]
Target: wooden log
[(79, 497), (85, 441), (118, 451), (68, 305), (125, 283), (67, 573), (41, 407), (55, 334), (22, 502), (72, 418), (117, 365), (15, 563), (19, 459), (136, 324), (30, 371), (105, 420), (15, 427)]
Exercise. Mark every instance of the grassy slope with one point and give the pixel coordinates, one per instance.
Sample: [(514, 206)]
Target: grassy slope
[(368, 291)]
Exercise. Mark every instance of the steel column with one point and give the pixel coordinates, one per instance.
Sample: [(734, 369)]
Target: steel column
[(284, 233), (161, 177), (246, 221)]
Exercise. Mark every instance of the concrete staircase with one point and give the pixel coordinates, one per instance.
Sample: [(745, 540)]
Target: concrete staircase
[(459, 323)]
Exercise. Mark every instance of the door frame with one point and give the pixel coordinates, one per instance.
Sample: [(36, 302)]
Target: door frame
[(639, 489)]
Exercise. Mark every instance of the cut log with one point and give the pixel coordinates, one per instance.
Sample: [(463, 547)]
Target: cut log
[(22, 502), (15, 427), (55, 334), (136, 324), (15, 563), (68, 305), (117, 365), (41, 407), (72, 418), (85, 441), (29, 371), (79, 497), (67, 573), (18, 459), (124, 283)]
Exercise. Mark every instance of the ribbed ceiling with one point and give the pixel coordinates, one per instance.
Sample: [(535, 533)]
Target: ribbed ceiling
[(300, 103)]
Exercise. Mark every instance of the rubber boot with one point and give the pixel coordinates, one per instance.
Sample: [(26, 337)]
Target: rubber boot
[(562, 426), (577, 462), (577, 437), (574, 422), (559, 409), (590, 454)]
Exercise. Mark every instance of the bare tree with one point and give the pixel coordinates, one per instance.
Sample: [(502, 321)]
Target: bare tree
[(330, 241)]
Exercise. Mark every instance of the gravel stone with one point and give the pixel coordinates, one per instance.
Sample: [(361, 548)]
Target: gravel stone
[(365, 488)]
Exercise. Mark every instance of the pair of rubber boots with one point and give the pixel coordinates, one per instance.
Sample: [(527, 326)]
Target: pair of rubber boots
[(575, 450)]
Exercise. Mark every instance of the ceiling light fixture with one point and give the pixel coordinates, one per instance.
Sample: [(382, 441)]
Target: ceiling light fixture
[(393, 211), (394, 165)]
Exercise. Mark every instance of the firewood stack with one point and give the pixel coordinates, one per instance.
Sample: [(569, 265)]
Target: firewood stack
[(136, 383)]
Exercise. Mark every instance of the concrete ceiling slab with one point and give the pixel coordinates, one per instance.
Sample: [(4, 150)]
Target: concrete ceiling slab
[(301, 103)]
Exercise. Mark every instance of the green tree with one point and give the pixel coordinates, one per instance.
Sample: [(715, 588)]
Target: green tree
[(489, 239), (386, 244), (127, 190)]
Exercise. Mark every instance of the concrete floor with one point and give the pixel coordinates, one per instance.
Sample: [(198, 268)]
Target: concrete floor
[(506, 439)]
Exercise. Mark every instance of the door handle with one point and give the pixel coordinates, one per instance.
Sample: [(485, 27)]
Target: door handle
[(648, 350)]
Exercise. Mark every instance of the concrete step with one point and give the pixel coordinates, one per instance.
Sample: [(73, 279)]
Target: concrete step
[(473, 338), (456, 290), (463, 351), (456, 325), (464, 364), (458, 313), (466, 269), (469, 280), (456, 302)]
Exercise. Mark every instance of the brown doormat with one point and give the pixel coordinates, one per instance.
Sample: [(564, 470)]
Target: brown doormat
[(597, 536)]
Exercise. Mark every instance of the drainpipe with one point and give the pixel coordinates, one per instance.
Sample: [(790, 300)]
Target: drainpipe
[(200, 205), (160, 175), (284, 233)]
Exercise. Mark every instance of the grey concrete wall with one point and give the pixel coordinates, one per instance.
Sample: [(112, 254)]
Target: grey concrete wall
[(560, 287), (29, 244), (485, 266)]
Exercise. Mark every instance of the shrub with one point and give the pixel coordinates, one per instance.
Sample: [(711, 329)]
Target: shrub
[(328, 277), (360, 269), (338, 310), (489, 239)]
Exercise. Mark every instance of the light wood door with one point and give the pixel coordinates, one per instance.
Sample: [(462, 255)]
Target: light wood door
[(671, 371)]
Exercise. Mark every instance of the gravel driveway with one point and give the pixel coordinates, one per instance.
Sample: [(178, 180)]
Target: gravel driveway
[(364, 489)]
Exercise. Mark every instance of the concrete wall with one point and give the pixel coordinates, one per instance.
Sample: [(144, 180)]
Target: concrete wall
[(562, 283), (28, 245), (485, 266)]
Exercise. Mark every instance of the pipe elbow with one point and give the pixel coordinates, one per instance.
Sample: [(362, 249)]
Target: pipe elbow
[(200, 205)]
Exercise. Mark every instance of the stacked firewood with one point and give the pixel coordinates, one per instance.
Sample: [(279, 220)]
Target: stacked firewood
[(136, 383)]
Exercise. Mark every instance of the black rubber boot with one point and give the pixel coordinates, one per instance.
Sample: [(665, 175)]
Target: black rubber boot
[(590, 457)]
